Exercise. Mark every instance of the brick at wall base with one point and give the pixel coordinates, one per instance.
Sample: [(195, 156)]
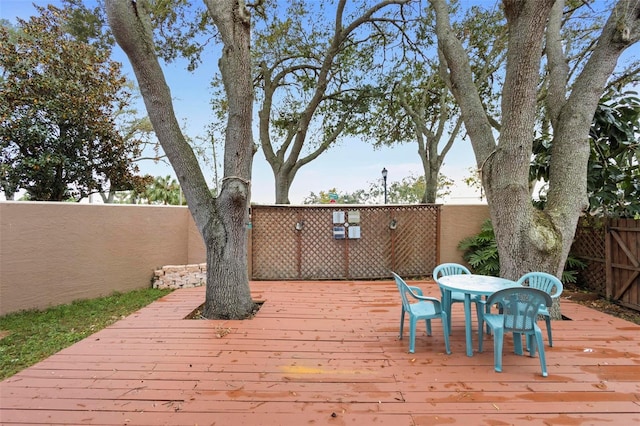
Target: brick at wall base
[(180, 276)]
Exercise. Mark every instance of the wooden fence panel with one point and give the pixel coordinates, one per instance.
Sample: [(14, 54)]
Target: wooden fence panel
[(320, 256), (611, 248), (273, 231), (624, 282), (589, 245), (297, 242)]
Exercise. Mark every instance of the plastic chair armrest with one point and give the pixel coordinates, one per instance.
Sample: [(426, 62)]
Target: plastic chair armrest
[(416, 290), (435, 301)]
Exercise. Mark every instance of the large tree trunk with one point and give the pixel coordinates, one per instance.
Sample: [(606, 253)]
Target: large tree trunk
[(431, 189), (222, 222), (431, 172), (283, 185), (529, 239)]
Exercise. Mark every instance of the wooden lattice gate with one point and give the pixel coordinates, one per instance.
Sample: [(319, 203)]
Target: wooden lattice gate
[(306, 242), (611, 248)]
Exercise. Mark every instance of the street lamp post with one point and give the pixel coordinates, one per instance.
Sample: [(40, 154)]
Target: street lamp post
[(384, 178)]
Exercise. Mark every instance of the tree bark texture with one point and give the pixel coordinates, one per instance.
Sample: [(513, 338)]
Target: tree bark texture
[(529, 239), (222, 222)]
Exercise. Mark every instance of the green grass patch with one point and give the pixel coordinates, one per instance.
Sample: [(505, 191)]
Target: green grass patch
[(35, 335)]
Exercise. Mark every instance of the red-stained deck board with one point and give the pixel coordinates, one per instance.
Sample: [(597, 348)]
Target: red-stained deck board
[(325, 353)]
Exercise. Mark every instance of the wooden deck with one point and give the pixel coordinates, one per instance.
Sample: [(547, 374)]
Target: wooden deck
[(325, 353)]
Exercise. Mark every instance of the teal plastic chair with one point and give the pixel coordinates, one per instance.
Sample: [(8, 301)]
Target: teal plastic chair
[(547, 283), (445, 269), (420, 307), (519, 308)]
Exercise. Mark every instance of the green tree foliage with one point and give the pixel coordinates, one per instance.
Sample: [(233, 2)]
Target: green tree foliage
[(58, 139), (161, 190), (613, 173), (409, 190), (613, 180), (87, 24), (334, 196), (166, 191)]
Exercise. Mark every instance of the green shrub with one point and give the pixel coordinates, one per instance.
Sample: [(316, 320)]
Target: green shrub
[(480, 251)]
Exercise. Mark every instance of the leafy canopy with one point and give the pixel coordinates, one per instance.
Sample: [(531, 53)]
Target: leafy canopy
[(613, 174), (58, 139), (408, 190)]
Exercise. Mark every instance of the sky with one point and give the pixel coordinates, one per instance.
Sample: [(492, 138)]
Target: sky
[(348, 166)]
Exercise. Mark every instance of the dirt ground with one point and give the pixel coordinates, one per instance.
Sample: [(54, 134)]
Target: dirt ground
[(594, 301)]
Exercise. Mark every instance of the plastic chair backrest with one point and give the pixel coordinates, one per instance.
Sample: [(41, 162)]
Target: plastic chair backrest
[(404, 289), (520, 307), (445, 269), (542, 281)]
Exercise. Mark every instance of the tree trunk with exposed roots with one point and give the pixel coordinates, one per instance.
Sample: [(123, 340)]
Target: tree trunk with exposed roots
[(222, 221)]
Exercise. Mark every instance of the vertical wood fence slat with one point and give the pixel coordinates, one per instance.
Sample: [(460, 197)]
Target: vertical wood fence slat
[(608, 270)]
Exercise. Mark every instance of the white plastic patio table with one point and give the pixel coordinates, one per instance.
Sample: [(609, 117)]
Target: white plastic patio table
[(471, 285)]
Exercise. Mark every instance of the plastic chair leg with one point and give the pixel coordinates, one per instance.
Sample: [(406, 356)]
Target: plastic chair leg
[(531, 345), (547, 319), (487, 310), (481, 326), (401, 323), (412, 335), (517, 343), (446, 307), (543, 359), (498, 340), (445, 328)]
